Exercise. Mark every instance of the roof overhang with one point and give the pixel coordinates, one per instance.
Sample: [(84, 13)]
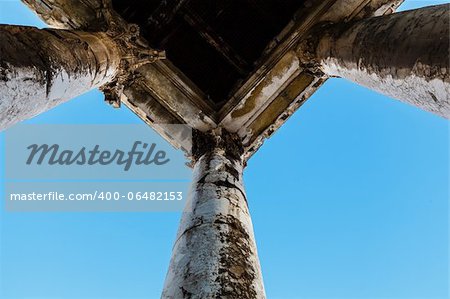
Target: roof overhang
[(277, 87)]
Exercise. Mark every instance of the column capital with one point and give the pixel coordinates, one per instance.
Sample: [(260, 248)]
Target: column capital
[(219, 139)]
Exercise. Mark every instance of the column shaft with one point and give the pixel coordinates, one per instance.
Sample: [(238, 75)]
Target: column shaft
[(215, 254), (41, 68), (404, 55)]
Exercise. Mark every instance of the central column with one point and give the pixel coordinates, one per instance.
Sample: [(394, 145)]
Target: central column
[(215, 254)]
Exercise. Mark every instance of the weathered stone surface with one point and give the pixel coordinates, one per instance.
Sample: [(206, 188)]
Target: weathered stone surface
[(277, 88), (404, 55), (215, 254), (68, 14), (41, 68)]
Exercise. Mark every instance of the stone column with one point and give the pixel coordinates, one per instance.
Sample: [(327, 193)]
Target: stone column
[(215, 254), (41, 68), (404, 55)]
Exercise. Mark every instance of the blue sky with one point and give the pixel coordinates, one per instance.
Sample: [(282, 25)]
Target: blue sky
[(349, 200)]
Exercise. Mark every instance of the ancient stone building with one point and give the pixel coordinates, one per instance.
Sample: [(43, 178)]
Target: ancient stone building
[(234, 71)]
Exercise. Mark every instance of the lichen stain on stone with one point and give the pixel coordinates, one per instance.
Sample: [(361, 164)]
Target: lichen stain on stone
[(236, 270), (272, 81), (281, 103), (4, 70)]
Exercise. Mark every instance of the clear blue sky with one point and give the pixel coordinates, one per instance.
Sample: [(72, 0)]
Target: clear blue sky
[(349, 200)]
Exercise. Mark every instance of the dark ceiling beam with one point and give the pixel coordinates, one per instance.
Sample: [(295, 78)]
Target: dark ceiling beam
[(214, 40), (164, 14)]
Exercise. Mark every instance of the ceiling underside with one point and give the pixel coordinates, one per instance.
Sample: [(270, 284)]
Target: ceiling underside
[(231, 63), (216, 44)]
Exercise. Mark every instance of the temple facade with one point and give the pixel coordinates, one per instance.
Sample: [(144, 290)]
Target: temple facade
[(233, 71)]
